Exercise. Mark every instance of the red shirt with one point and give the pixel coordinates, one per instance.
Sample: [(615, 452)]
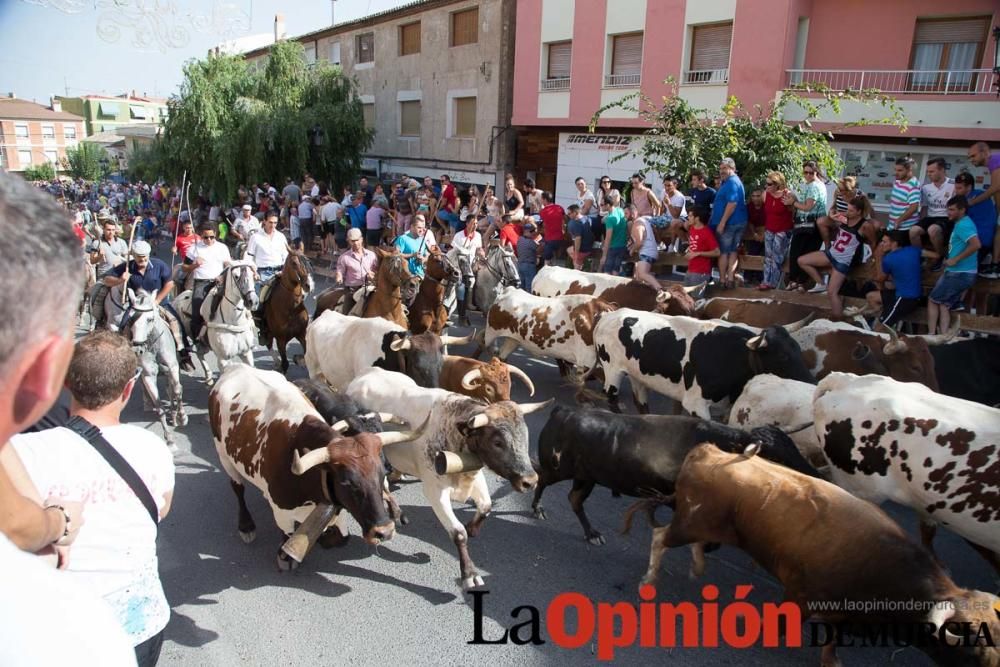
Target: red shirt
[(509, 235), (552, 222), (755, 216), (777, 216), (185, 242), (80, 234), (701, 240), (448, 198)]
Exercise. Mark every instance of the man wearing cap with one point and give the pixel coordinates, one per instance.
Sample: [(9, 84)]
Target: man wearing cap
[(107, 253), (246, 225), (355, 268), (206, 259)]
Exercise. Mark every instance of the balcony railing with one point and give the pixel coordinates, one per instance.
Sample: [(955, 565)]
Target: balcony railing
[(556, 84), (621, 81), (705, 76), (930, 82)]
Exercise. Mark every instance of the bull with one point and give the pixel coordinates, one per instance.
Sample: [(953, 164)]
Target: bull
[(489, 382), (623, 292)]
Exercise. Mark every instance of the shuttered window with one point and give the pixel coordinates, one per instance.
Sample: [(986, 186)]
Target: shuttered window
[(465, 27), (560, 56), (952, 45), (366, 48), (409, 39), (409, 119), (710, 46), (465, 116), (626, 54), (368, 112)]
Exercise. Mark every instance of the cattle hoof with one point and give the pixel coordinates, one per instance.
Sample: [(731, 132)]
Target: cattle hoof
[(539, 513), (182, 420), (475, 581), (403, 519), (285, 564), (332, 538), (248, 536), (596, 539)]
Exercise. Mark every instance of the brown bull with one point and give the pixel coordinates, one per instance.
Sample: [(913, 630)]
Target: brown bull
[(673, 299), (760, 313), (488, 382)]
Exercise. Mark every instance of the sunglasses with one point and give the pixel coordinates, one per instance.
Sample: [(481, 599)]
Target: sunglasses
[(208, 237), (603, 182), (771, 184), (808, 172)]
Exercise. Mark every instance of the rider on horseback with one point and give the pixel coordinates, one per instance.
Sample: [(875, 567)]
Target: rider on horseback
[(268, 250), (467, 247), (107, 253), (206, 259), (355, 269), (245, 227)]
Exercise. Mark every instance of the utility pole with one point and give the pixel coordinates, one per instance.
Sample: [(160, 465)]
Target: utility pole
[(66, 86)]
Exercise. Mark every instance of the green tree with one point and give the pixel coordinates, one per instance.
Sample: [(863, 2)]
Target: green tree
[(235, 124), (84, 161), (682, 138), (40, 172)]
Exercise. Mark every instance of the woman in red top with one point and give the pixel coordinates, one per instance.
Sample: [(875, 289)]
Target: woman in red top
[(778, 225)]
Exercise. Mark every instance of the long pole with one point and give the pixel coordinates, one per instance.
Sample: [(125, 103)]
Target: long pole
[(177, 226)]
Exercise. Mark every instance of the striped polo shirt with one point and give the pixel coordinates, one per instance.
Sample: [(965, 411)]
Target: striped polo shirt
[(904, 193)]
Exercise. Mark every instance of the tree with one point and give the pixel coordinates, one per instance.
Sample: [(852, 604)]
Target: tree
[(84, 161), (39, 172), (235, 124), (682, 138)]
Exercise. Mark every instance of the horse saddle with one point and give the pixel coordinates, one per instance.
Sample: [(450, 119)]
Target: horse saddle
[(266, 289)]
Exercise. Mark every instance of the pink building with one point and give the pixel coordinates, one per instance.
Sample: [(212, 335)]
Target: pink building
[(574, 56)]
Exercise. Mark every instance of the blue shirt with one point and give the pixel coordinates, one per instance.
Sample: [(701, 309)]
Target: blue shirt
[(357, 215), (702, 197), (157, 275), (960, 237), (581, 228), (984, 216), (904, 267), (408, 245), (731, 191)]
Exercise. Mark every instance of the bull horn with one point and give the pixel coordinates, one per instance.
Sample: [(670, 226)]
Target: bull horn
[(340, 426), (757, 342), (724, 316), (470, 377), (389, 418), (395, 437), (479, 421), (523, 377), (895, 344), (795, 326), (528, 408), (694, 288), (458, 340), (312, 459), (663, 296), (940, 339), (400, 344)]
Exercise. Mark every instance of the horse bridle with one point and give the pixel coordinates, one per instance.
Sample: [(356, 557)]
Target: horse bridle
[(500, 275), (449, 268), (229, 272)]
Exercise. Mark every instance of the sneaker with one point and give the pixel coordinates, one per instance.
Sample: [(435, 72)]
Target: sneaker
[(937, 266), (960, 308), (989, 271), (675, 247), (818, 288)]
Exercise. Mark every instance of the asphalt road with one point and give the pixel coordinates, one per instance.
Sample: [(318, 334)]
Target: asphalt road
[(401, 603)]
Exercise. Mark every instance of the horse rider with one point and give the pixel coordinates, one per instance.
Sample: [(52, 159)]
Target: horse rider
[(416, 244), (107, 253), (466, 248), (206, 260), (244, 228), (268, 250), (185, 239), (152, 275), (355, 268)]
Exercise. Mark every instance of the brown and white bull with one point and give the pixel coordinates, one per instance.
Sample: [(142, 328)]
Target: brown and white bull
[(825, 545), (487, 381), (494, 436), (623, 292), (268, 434), (756, 312), (888, 440)]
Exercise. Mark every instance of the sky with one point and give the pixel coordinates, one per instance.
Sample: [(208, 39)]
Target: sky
[(49, 52)]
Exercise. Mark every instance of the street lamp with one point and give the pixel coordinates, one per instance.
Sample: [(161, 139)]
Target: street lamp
[(316, 135)]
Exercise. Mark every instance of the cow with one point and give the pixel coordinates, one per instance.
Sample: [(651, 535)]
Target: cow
[(560, 327), (824, 545), (888, 440), (261, 422), (489, 382), (494, 435), (339, 347), (340, 410), (770, 400), (755, 312), (623, 292), (829, 347), (969, 368), (695, 362), (635, 454)]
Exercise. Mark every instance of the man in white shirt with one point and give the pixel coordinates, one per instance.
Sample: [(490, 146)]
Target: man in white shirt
[(246, 225), (268, 250), (934, 196), (206, 259), (115, 552), (330, 215), (674, 212)]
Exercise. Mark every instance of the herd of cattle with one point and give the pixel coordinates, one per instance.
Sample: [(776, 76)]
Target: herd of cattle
[(813, 419)]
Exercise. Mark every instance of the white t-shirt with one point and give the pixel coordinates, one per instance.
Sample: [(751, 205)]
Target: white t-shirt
[(582, 200), (315, 190), (214, 214), (463, 243), (247, 227), (305, 211), (675, 200), (215, 256), (112, 255), (936, 198), (331, 212), (268, 250), (46, 618), (114, 554)]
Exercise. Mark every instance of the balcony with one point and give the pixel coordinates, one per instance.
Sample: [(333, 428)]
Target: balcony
[(922, 82), (561, 83), (697, 77), (621, 80)]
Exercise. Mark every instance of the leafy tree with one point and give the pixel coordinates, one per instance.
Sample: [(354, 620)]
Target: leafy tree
[(40, 172), (84, 161), (682, 138), (235, 123)]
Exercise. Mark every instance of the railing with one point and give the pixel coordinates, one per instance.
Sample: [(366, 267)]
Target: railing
[(556, 84), (930, 82), (703, 76), (621, 81)]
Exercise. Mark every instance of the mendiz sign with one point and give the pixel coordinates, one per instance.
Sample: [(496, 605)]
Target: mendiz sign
[(612, 142), (590, 156)]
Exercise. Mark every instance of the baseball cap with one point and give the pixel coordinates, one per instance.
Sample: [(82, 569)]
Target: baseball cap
[(141, 248), (353, 234), (247, 207)]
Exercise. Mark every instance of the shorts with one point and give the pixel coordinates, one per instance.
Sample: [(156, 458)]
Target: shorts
[(613, 262), (942, 222), (950, 286), (729, 239), (895, 308), (649, 259), (373, 237), (661, 221), (691, 279), (553, 247), (453, 219), (330, 227), (838, 266)]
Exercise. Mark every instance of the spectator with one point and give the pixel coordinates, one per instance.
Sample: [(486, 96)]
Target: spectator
[(507, 232), (528, 250), (808, 204), (367, 191), (753, 237), (934, 196), (291, 192), (374, 222), (553, 229), (645, 201), (532, 198), (329, 216), (606, 190), (513, 200), (306, 228), (959, 269), (615, 246), (904, 199), (585, 199), (897, 273), (447, 213), (357, 212), (729, 219), (777, 229), (379, 196), (847, 189), (702, 246), (980, 156), (115, 553), (403, 202), (984, 216), (700, 193), (582, 235), (355, 268), (644, 245), (674, 213)]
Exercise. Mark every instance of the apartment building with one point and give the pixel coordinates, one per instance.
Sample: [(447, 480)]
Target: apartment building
[(33, 134), (104, 113), (434, 78), (575, 56)]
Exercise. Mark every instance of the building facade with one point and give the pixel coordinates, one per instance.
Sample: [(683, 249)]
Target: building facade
[(104, 114), (32, 134), (575, 56), (434, 77)]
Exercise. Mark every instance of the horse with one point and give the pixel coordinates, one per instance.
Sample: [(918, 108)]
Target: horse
[(113, 306), (393, 284), (497, 271), (428, 311), (285, 313), (155, 349)]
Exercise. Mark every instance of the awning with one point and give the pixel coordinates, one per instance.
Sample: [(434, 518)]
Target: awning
[(108, 109), (137, 111)]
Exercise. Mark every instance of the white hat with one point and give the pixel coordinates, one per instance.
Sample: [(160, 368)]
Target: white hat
[(141, 249), (353, 234), (247, 207)]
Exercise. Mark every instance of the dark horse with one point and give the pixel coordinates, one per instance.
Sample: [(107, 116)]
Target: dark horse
[(285, 312), (428, 312), (394, 284)]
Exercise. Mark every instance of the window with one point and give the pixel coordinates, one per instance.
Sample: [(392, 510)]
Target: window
[(368, 112), (465, 117), (409, 39), (21, 130), (626, 60), (24, 158), (409, 118), (335, 53), (365, 48), (52, 156), (710, 45), (48, 131), (557, 68), (948, 49), (465, 27), (69, 131), (310, 53)]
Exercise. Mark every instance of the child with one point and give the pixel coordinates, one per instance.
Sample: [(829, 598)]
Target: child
[(702, 247)]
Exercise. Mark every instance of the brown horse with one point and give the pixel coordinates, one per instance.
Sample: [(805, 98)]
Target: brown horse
[(393, 284), (285, 312), (428, 312)]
